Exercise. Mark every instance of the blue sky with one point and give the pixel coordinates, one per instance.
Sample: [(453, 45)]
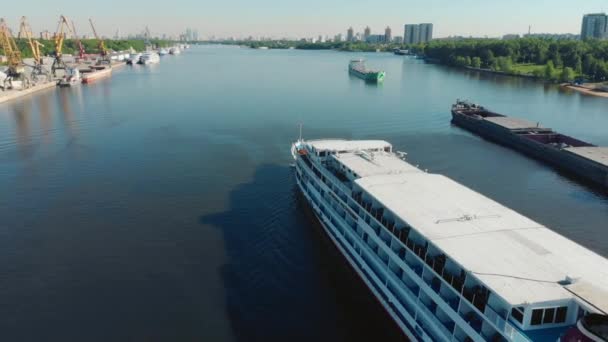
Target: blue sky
[(308, 17)]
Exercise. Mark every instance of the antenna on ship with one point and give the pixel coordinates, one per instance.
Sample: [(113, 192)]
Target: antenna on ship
[(300, 139)]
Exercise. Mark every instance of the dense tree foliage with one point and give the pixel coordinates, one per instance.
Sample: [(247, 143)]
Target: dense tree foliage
[(90, 46), (343, 46), (588, 58)]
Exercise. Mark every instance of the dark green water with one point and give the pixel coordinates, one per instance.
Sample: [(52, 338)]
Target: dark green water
[(160, 205)]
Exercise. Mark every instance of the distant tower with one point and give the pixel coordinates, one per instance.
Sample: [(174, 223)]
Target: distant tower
[(388, 35), (595, 26), (366, 33), (529, 30), (350, 34)]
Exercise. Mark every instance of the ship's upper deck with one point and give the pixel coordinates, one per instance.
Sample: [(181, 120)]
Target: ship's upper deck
[(339, 145), (365, 164), (517, 258)]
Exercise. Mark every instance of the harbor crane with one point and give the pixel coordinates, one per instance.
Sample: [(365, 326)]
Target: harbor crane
[(147, 36), (103, 51), (81, 52), (63, 28), (16, 68), (37, 68)]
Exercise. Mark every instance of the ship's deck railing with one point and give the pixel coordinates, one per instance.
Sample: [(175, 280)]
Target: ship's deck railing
[(493, 318), (499, 323), (372, 271), (504, 326), (374, 234)]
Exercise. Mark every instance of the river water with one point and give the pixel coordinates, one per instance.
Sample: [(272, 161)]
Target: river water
[(160, 205)]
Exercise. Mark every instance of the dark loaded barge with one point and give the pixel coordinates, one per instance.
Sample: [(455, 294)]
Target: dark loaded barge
[(572, 155)]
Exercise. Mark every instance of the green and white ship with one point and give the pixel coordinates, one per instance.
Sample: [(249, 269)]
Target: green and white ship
[(357, 68)]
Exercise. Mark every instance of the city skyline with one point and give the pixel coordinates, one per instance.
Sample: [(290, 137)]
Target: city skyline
[(271, 18)]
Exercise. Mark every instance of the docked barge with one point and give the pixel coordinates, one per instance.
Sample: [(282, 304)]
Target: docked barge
[(564, 152), (445, 262), (357, 67)]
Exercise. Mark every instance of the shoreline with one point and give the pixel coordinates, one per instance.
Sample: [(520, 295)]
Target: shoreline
[(9, 95), (585, 90)]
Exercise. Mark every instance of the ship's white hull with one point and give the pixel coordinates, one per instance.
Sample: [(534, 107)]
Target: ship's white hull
[(354, 265)]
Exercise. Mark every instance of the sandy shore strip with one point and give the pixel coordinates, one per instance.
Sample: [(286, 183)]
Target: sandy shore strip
[(586, 90)]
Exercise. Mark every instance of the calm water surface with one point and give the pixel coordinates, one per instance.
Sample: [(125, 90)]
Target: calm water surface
[(160, 205)]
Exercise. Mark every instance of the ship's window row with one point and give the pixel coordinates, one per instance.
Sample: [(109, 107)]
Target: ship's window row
[(549, 315)]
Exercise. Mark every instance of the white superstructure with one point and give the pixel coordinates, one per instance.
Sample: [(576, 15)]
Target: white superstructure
[(446, 262), (149, 57)]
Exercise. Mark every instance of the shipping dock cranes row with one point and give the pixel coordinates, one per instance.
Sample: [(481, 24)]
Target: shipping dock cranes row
[(22, 76)]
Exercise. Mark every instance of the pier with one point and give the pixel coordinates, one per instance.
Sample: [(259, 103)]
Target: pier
[(11, 94)]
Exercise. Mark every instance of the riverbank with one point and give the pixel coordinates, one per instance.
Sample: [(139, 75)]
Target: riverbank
[(504, 73), (587, 90), (9, 95)]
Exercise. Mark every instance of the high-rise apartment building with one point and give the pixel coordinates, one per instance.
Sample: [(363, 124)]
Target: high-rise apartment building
[(366, 33), (417, 33), (595, 26), (350, 34), (388, 34)]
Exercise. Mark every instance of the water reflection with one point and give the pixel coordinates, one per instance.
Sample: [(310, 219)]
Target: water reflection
[(21, 115), (44, 106)]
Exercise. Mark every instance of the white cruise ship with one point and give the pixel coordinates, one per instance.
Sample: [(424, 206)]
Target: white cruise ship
[(447, 263)]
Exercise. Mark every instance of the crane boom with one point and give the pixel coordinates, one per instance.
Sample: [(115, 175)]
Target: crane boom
[(62, 29), (33, 43), (81, 52), (16, 69), (100, 43)]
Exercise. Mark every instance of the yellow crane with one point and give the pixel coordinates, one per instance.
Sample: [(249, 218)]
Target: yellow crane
[(16, 69), (101, 45), (35, 45), (63, 28)]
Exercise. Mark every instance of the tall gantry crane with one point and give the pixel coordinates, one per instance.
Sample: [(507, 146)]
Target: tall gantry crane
[(16, 69), (81, 52), (63, 28), (103, 52), (37, 68)]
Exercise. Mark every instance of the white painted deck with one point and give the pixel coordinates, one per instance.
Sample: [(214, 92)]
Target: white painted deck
[(374, 163), (337, 145), (517, 258)]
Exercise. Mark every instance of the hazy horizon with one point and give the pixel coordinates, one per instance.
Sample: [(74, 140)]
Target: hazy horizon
[(274, 18)]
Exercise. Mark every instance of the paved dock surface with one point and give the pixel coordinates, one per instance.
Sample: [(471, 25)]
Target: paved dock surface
[(9, 95)]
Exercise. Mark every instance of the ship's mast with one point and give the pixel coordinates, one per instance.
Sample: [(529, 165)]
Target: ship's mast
[(300, 139)]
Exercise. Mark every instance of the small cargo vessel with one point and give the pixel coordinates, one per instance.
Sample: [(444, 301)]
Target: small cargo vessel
[(71, 78), (564, 152), (357, 67), (95, 73)]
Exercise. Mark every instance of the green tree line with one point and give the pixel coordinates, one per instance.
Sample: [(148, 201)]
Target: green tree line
[(558, 59), (91, 46)]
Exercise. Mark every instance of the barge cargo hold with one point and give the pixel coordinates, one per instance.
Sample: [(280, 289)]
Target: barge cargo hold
[(357, 67), (566, 153)]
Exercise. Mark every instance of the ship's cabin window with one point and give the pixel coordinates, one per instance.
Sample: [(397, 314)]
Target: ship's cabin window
[(387, 149), (518, 314), (561, 314), (549, 315), (322, 153), (537, 317)]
